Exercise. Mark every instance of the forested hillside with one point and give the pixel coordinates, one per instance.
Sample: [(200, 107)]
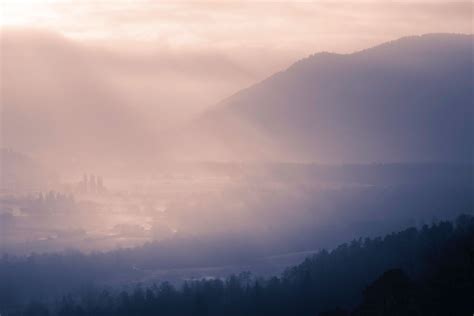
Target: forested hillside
[(426, 271)]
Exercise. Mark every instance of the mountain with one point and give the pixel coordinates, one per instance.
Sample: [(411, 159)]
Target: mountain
[(402, 101)]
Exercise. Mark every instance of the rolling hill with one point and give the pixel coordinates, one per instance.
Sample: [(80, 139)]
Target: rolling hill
[(402, 101)]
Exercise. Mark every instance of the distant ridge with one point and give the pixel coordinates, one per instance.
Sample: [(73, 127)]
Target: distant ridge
[(402, 101)]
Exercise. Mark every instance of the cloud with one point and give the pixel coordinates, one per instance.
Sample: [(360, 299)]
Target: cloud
[(327, 25)]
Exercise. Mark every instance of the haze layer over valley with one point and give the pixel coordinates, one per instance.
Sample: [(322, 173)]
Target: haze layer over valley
[(264, 164)]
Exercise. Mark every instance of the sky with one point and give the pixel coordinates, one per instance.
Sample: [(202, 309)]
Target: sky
[(239, 42), (261, 36), (257, 37), (304, 26), (156, 64)]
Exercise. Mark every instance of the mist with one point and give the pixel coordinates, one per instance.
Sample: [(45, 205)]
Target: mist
[(78, 101), (236, 158)]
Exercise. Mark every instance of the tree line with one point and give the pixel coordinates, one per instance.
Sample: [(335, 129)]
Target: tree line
[(427, 271)]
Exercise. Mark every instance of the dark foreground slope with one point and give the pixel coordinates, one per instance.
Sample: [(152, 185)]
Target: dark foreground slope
[(406, 100), (427, 271)]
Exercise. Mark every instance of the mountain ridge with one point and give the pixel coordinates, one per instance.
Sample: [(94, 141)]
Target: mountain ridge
[(331, 97)]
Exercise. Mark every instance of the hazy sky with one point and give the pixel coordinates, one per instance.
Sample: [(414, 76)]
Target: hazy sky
[(165, 61), (252, 38), (305, 26), (257, 37)]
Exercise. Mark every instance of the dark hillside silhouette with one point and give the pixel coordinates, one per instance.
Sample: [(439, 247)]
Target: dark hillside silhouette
[(427, 271), (406, 100)]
